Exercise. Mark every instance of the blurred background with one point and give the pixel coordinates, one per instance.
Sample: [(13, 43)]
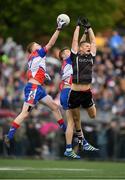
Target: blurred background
[(40, 137)]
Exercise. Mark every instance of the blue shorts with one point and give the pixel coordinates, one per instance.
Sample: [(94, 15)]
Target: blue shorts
[(64, 97), (33, 93)]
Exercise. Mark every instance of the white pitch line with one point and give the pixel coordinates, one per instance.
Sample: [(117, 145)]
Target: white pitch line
[(42, 169), (11, 169), (63, 169)]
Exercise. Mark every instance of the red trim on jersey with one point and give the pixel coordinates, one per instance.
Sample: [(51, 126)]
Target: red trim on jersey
[(40, 76), (64, 63), (33, 54), (65, 82), (29, 74), (34, 86), (45, 49), (70, 81), (61, 85)]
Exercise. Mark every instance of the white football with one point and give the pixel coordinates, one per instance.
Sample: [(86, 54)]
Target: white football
[(64, 17)]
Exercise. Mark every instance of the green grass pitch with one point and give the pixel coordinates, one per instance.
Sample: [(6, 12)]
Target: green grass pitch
[(60, 169)]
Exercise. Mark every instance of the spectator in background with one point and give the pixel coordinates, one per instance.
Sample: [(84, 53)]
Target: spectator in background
[(115, 43), (112, 139), (102, 141), (10, 47), (106, 99), (34, 139), (121, 140), (55, 52)]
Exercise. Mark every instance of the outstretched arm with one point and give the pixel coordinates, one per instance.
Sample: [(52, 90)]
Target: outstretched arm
[(83, 38), (92, 41), (60, 25), (75, 39), (52, 40), (87, 26)]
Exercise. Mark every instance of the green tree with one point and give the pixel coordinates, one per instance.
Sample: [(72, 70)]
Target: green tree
[(29, 20)]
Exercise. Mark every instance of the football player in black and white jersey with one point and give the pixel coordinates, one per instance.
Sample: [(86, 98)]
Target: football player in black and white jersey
[(82, 57), (73, 118)]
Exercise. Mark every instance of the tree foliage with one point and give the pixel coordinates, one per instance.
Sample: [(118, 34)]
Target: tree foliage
[(28, 20)]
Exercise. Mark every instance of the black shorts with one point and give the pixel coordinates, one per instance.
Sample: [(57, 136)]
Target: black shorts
[(80, 98)]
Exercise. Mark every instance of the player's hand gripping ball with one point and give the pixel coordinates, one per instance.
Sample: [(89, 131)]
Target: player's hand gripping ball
[(63, 18)]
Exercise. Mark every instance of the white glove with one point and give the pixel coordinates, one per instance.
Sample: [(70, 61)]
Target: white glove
[(60, 24), (48, 76)]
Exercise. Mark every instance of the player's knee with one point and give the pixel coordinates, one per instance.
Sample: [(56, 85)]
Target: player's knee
[(76, 119), (70, 123), (55, 107), (92, 115)]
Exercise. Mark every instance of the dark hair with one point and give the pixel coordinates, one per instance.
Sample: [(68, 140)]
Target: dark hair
[(29, 47), (61, 51)]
